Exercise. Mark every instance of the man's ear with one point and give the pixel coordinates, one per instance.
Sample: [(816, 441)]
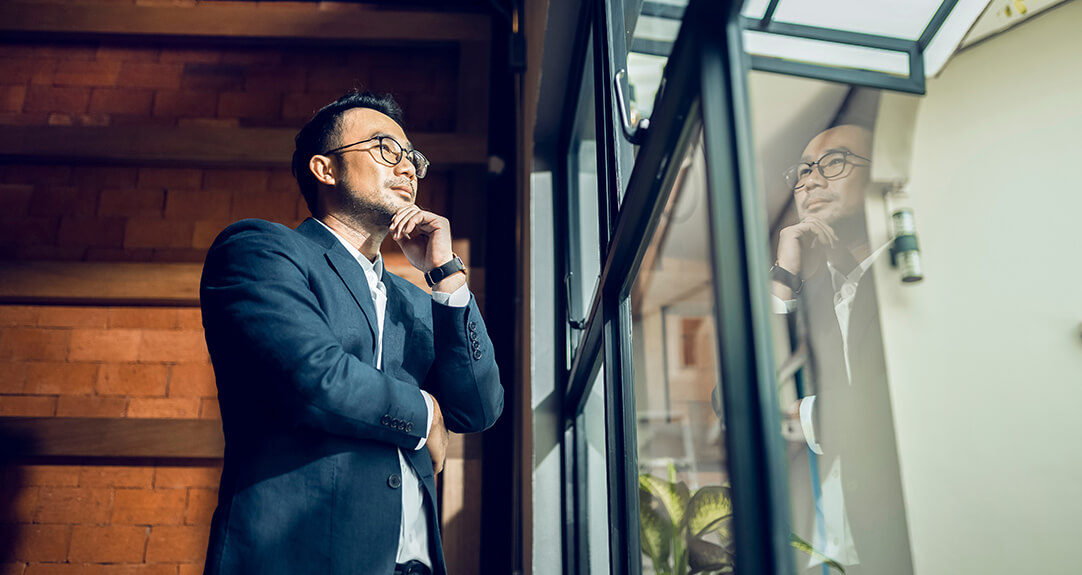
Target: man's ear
[(322, 169)]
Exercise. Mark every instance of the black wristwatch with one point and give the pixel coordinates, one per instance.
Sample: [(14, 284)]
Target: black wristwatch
[(438, 274), (787, 278)]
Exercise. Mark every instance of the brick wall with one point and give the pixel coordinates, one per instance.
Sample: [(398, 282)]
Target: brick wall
[(83, 516)]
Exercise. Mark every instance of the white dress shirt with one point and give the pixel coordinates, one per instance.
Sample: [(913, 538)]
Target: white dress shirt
[(413, 532)]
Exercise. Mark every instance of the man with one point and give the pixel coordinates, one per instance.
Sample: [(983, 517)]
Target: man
[(824, 271), (338, 381)]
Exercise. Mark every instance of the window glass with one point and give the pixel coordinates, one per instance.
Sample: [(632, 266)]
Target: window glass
[(585, 239), (597, 496), (684, 501), (825, 190)]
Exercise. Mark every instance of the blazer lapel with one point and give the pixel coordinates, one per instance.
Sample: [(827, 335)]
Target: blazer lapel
[(394, 327), (347, 269)]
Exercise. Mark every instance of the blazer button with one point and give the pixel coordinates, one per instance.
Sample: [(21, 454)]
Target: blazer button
[(385, 420), (394, 481), (409, 427), (475, 344), (477, 355), (473, 336), (472, 325)]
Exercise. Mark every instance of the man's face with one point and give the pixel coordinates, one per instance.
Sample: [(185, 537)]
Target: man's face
[(367, 183), (841, 198)]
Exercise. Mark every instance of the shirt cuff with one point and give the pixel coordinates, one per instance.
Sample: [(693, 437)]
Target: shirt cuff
[(460, 298), (806, 424), (428, 427), (781, 306)]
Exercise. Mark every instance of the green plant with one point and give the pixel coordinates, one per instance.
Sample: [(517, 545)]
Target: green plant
[(676, 528)]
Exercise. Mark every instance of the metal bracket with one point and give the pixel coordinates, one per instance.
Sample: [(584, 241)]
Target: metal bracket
[(576, 324), (635, 134)]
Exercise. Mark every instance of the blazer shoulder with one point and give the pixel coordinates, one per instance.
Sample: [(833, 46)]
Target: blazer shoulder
[(253, 228)]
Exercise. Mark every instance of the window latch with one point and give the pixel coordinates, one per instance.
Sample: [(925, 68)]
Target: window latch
[(635, 134), (577, 324)]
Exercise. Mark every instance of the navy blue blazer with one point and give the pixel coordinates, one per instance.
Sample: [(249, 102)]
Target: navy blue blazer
[(311, 476)]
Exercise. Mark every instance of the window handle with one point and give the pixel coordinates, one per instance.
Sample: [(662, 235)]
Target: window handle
[(635, 134), (577, 324)]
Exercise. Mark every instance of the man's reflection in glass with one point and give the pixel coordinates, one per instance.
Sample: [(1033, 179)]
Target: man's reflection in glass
[(853, 512)]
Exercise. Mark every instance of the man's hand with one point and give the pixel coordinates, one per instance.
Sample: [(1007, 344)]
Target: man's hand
[(437, 438), (802, 248), (425, 238)]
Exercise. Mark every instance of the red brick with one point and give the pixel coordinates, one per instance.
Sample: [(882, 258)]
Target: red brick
[(133, 379), (113, 544), (159, 408), (149, 506), (43, 378), (19, 315), (218, 77), (140, 120), (12, 98), (235, 179), (67, 51), (74, 505), (143, 569), (119, 345), (276, 206), (197, 204), (192, 380), (191, 569), (72, 316), (16, 569), (43, 542), (186, 104), (60, 120), (179, 255), (105, 176), (63, 569), (261, 105), (37, 174), (93, 120), (251, 56), (59, 100), (164, 76), (16, 71), (209, 122), (117, 255), (97, 232), (56, 475), (190, 319), (28, 231), (337, 79), (143, 317), (116, 476), (93, 73), (12, 377), (173, 347), (206, 231), (180, 544), (27, 406), (201, 504), (304, 106), (171, 178), (131, 202), (209, 408), (54, 200), (128, 53), (34, 343), (205, 55), (158, 233), (187, 477), (263, 78), (110, 407), (15, 199), (25, 505), (121, 101)]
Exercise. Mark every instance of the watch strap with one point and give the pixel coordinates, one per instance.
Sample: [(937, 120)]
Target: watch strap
[(436, 275), (787, 278)]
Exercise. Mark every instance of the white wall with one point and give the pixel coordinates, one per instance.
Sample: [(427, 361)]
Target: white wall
[(985, 356)]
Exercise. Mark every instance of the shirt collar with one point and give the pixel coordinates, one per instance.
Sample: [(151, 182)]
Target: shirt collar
[(374, 268), (838, 278)]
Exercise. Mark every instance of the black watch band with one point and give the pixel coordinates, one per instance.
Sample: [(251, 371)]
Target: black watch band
[(786, 277), (438, 274)]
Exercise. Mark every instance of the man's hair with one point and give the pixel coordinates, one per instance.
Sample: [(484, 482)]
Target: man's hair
[(323, 131)]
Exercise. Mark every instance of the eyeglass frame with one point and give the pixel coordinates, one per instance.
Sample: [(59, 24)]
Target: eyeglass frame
[(817, 164), (417, 169)]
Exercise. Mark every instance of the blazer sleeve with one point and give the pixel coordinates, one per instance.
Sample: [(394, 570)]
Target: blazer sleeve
[(464, 377), (268, 335)]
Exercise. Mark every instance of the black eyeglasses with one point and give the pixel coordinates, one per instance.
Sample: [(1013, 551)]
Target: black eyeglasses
[(831, 166), (392, 152)]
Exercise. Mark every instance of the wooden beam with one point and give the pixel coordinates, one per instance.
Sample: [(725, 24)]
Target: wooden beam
[(106, 437), (238, 147), (106, 283), (235, 20)]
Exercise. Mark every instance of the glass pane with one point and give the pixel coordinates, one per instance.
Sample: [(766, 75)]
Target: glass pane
[(597, 497), (684, 497), (826, 53), (585, 239), (823, 197), (894, 18), (652, 28)]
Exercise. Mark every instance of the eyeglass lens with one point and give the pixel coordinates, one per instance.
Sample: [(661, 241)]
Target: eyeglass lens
[(392, 153), (830, 166)]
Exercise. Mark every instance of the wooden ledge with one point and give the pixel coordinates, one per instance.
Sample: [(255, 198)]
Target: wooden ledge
[(96, 437)]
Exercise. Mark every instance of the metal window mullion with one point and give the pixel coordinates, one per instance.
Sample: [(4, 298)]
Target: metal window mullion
[(738, 246), (620, 432)]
